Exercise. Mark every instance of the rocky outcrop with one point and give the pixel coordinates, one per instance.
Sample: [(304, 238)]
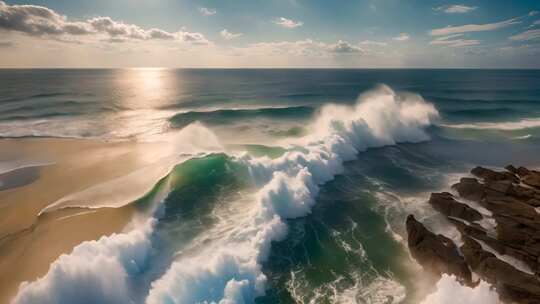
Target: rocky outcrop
[(446, 204), (437, 253), (512, 284), (512, 197)]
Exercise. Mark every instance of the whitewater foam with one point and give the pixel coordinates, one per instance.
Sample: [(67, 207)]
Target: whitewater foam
[(450, 291), (95, 272), (503, 126)]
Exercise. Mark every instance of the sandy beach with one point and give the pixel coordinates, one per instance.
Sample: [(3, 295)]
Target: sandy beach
[(28, 243)]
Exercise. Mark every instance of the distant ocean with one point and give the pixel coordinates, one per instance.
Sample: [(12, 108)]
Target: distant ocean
[(296, 182)]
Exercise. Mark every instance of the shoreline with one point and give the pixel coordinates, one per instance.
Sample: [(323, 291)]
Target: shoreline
[(30, 242)]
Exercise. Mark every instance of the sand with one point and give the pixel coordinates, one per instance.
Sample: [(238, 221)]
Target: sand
[(28, 243)]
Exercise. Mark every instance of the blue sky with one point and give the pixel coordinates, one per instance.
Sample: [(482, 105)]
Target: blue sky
[(270, 33)]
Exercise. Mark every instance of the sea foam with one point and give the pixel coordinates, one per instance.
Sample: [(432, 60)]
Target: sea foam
[(450, 291), (94, 272), (527, 123)]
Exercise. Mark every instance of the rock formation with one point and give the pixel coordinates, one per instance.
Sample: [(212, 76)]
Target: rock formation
[(511, 197)]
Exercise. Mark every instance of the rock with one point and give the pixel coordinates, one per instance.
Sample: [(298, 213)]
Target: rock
[(501, 186), (469, 188), (436, 253), (511, 283), (511, 169), (446, 204), (533, 179), (522, 171), (529, 177), (490, 175), (513, 198)]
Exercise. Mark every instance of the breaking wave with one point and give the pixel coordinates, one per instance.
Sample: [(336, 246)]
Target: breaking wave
[(228, 268)]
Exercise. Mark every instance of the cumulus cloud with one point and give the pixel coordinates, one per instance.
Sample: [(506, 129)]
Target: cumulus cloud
[(228, 35), (532, 13), (287, 23), (456, 9), (526, 36), (449, 30), (43, 22), (402, 37), (207, 11), (344, 47)]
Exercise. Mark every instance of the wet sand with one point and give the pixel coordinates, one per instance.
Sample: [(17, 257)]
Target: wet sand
[(28, 243)]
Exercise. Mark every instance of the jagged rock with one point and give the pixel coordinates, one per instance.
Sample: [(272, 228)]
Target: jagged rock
[(511, 283), (529, 177), (436, 253), (501, 186), (532, 179), (511, 169), (522, 172), (490, 175), (469, 188), (446, 204), (513, 198)]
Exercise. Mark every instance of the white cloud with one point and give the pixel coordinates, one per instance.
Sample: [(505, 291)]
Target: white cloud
[(228, 35), (449, 30), (287, 23), (43, 22), (456, 9), (532, 13), (451, 41), (344, 47), (526, 36), (207, 11), (375, 43), (302, 48), (402, 37)]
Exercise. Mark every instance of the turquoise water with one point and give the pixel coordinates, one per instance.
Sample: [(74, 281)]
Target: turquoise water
[(306, 202)]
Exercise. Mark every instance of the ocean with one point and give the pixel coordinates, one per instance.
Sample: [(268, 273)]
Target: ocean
[(277, 185)]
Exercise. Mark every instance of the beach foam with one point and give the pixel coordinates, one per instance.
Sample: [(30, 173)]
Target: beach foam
[(95, 272)]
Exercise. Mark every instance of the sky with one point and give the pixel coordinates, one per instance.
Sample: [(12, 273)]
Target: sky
[(270, 33)]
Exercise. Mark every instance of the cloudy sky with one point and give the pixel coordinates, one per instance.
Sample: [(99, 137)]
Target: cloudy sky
[(270, 33)]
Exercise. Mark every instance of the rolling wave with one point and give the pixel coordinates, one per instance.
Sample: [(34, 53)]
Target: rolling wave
[(231, 115)]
